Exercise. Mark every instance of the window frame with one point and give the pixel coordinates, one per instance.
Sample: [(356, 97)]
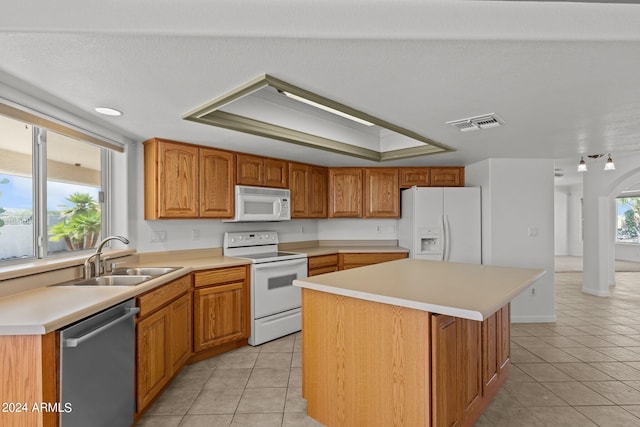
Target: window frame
[(40, 127)]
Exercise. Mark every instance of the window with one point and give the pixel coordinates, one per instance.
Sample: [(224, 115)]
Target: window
[(51, 192), (628, 221)]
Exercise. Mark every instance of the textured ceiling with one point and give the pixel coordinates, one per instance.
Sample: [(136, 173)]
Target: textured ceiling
[(563, 76)]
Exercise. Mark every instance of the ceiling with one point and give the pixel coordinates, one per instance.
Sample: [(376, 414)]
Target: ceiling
[(563, 76)]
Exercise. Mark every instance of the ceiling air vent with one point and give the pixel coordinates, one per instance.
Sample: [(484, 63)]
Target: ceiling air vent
[(485, 121)]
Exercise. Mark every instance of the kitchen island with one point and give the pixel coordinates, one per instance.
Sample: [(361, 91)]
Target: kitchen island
[(408, 342)]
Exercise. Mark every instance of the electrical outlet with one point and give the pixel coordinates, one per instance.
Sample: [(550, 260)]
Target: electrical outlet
[(533, 292), (158, 236)]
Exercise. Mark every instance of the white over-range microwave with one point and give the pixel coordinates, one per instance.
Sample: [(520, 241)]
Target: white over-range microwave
[(261, 204)]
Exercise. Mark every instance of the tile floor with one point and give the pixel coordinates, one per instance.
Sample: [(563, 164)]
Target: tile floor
[(583, 370)]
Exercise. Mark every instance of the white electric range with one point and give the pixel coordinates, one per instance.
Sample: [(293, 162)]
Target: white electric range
[(275, 302)]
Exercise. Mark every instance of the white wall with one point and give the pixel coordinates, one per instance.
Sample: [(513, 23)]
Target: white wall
[(575, 221), (561, 222), (358, 229), (518, 226)]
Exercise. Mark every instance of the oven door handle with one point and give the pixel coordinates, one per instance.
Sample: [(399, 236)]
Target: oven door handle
[(280, 264)]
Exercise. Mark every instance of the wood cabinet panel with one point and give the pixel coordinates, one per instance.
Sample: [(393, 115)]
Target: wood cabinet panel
[(345, 192), (180, 332), (262, 171), (353, 260), (470, 369), (249, 170), (322, 264), (308, 186), (298, 177), (381, 193), (447, 177), (445, 404), (490, 351), (414, 176), (171, 180), (217, 172), (219, 276), (317, 183), (504, 330), (218, 315), (276, 173), (153, 365), (156, 298)]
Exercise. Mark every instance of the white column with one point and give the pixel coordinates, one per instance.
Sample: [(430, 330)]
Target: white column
[(596, 243)]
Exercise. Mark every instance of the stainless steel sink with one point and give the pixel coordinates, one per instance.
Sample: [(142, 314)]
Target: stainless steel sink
[(109, 281), (143, 271)]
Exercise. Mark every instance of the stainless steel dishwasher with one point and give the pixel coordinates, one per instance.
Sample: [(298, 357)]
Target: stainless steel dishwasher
[(97, 368)]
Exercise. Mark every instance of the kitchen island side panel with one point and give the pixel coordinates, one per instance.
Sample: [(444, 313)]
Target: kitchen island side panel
[(365, 363)]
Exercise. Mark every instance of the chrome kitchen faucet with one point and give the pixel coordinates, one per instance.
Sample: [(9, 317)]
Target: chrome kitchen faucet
[(96, 263)]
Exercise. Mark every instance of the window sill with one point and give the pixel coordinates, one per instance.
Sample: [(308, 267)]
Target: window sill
[(14, 271)]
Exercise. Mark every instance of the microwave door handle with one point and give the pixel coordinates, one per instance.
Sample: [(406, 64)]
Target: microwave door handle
[(279, 208)]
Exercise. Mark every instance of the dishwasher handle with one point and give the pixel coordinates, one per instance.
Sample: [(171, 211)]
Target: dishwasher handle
[(74, 342)]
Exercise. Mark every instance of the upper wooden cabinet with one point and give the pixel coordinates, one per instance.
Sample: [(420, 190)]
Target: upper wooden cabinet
[(447, 177), (171, 180), (262, 171), (345, 192), (217, 169), (308, 186), (381, 193), (187, 181), (414, 176)]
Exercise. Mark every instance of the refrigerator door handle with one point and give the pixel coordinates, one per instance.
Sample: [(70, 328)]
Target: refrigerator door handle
[(443, 238), (447, 238)]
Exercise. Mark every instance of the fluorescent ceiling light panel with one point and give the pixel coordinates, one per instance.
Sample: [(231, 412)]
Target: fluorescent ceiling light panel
[(329, 109)]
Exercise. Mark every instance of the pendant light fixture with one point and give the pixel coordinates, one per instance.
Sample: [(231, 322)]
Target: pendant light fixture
[(609, 166), (582, 165)]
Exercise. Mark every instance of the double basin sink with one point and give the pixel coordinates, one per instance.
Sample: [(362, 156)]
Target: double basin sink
[(123, 277)]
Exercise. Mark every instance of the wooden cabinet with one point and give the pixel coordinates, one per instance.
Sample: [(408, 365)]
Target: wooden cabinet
[(353, 260), (171, 179), (216, 190), (414, 176), (322, 264), (446, 177), (262, 171), (345, 192), (445, 361), (381, 193), (308, 185), (459, 362), (187, 181), (221, 307), (163, 338)]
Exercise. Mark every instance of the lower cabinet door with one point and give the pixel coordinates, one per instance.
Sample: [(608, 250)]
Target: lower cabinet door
[(180, 331), (219, 315), (470, 349), (490, 351), (154, 367), (445, 405)]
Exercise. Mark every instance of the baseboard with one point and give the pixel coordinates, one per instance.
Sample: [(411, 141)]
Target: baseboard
[(533, 319), (596, 293)]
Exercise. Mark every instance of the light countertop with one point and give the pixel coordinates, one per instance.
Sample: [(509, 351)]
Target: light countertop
[(329, 250), (46, 309), (469, 291)]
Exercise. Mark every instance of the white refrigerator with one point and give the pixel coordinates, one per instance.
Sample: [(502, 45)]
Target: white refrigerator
[(442, 224)]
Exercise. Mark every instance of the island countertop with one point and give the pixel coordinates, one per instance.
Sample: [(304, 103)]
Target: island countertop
[(469, 291)]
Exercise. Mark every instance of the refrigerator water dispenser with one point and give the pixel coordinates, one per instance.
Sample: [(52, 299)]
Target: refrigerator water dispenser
[(430, 241)]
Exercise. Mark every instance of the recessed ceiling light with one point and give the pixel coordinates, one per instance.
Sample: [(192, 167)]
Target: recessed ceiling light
[(108, 111)]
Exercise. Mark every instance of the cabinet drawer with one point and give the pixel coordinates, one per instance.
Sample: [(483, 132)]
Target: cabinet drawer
[(156, 298), (370, 258), (219, 276), (323, 270), (323, 261)]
